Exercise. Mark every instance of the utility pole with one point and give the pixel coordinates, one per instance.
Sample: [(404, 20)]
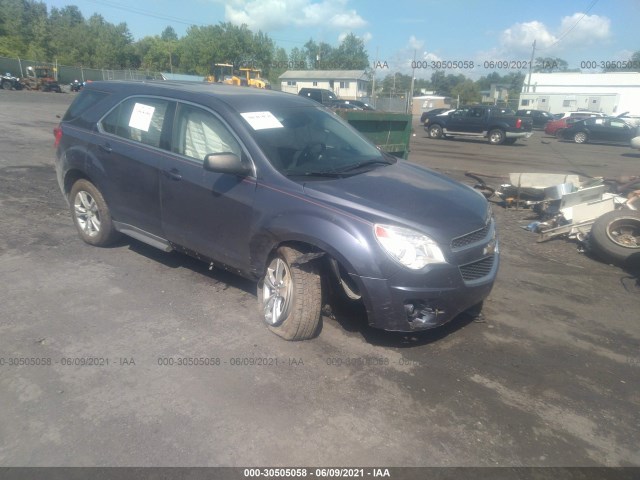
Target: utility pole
[(373, 85), (413, 78), (533, 52)]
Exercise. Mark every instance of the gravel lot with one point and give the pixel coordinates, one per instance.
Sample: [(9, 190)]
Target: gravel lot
[(548, 377)]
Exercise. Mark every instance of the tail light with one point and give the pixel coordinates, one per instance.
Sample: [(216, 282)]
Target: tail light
[(519, 123), (57, 133)]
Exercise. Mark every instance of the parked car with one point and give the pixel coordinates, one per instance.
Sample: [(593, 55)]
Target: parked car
[(351, 105), (432, 113), (275, 188), (498, 125), (320, 95), (600, 129), (555, 127), (539, 117)]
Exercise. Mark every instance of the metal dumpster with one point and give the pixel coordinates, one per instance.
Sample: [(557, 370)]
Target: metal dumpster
[(390, 132)]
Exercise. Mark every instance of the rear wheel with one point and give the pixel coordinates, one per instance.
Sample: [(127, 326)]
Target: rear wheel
[(290, 296), (435, 131), (6, 85), (496, 137), (91, 214), (580, 137)]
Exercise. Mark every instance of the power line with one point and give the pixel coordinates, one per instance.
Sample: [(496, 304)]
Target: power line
[(169, 18), (591, 5)]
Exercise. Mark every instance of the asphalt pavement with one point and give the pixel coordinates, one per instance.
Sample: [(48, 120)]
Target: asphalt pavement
[(128, 356)]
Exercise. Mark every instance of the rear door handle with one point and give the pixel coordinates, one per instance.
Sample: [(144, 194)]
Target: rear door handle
[(106, 147), (173, 174)]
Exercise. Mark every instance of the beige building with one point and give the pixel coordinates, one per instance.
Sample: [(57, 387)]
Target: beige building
[(346, 84)]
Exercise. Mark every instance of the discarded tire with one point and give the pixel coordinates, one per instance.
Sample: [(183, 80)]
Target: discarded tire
[(615, 236)]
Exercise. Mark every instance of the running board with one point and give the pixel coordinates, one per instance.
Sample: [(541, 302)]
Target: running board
[(143, 236)]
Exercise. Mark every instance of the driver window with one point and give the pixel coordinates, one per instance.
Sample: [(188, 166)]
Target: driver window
[(199, 133)]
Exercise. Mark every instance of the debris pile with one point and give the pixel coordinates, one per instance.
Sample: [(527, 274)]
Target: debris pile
[(603, 214)]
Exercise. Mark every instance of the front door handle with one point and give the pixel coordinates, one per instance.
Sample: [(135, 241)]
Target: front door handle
[(173, 174), (106, 147)]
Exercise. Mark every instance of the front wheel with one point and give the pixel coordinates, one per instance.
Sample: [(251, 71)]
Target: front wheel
[(6, 85), (290, 296), (615, 236), (496, 137), (91, 214), (435, 131)]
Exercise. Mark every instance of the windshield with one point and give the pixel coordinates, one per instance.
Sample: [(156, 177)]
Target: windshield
[(313, 141)]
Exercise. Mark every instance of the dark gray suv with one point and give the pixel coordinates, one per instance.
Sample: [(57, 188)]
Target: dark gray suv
[(280, 190)]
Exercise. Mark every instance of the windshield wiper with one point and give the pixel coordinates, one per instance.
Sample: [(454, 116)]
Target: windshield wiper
[(364, 164), (326, 173)]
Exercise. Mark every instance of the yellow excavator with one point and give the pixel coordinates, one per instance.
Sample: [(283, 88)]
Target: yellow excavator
[(224, 74), (253, 78)]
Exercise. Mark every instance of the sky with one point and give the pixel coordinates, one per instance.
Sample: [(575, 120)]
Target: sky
[(397, 31)]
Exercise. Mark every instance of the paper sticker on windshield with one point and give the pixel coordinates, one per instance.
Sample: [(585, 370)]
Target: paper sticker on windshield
[(141, 116), (262, 120)]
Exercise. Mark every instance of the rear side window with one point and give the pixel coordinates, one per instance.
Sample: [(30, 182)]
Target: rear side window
[(140, 119), (85, 100)]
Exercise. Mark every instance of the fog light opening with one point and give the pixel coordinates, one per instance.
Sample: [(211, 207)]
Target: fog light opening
[(421, 315)]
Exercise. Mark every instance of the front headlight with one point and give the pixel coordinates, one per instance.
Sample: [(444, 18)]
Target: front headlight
[(412, 249)]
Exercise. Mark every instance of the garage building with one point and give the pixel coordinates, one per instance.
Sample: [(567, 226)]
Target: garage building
[(346, 84)]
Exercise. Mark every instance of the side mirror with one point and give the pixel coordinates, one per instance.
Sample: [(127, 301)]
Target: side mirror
[(226, 162)]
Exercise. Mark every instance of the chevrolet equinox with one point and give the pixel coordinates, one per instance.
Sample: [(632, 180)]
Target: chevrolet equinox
[(278, 189)]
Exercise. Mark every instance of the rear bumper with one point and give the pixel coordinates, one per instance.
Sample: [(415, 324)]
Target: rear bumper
[(518, 134)]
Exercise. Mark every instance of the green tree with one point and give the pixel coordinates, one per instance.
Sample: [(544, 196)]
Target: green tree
[(169, 35), (444, 84), (281, 61), (24, 23), (68, 35), (319, 56), (467, 91), (350, 54), (396, 83), (297, 57)]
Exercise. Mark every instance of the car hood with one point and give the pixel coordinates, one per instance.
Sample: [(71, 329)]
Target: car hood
[(406, 194)]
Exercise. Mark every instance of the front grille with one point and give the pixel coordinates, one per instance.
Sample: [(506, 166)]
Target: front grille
[(478, 269), (469, 238)]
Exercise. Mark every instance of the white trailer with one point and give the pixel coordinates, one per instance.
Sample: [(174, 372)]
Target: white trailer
[(609, 93)]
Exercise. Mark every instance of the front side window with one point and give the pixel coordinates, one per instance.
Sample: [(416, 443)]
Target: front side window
[(199, 132), (140, 119)]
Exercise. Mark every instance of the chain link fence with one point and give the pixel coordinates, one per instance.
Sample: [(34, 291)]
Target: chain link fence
[(66, 74), (388, 103)]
